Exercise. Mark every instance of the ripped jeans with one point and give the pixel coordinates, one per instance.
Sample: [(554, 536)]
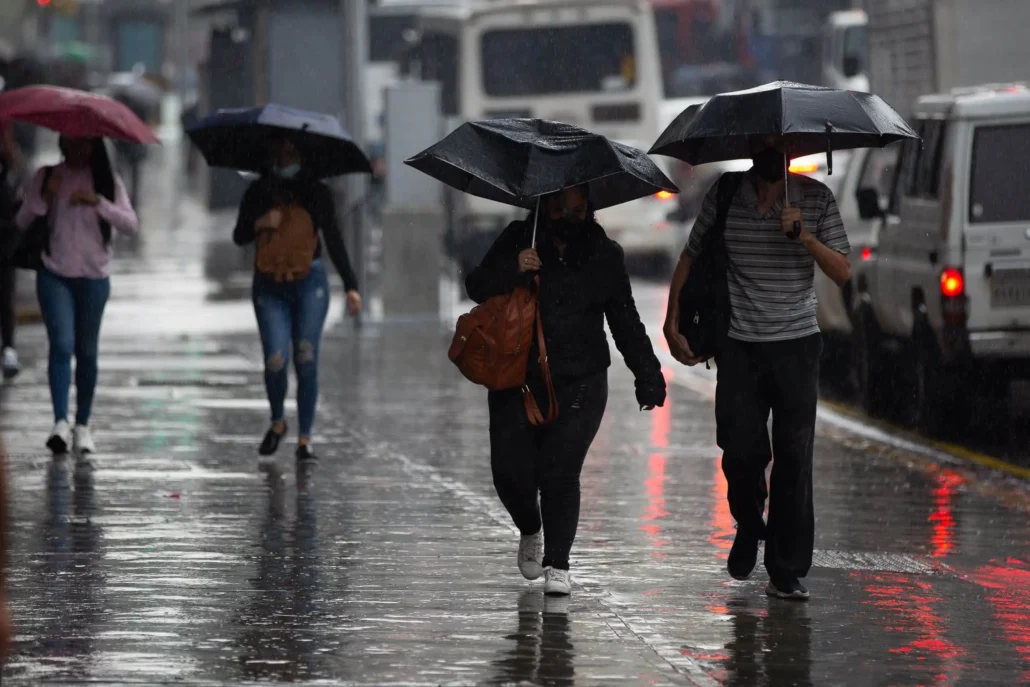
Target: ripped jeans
[(292, 315)]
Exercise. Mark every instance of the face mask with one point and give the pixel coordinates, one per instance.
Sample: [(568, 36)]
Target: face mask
[(769, 165), (568, 229), (287, 172)]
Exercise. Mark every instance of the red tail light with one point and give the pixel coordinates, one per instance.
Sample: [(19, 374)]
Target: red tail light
[(952, 282), (867, 254)]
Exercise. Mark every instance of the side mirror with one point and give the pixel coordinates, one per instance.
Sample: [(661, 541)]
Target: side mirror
[(852, 67), (869, 203)]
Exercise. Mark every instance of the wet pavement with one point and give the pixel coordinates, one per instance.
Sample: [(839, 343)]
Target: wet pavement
[(174, 559)]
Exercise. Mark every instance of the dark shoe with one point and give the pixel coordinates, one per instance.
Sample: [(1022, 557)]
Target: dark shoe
[(743, 555), (270, 444), (305, 454), (786, 586)]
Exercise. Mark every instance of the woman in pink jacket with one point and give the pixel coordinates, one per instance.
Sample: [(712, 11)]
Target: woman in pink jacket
[(83, 200)]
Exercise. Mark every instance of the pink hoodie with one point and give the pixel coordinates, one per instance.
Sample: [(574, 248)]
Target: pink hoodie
[(76, 245)]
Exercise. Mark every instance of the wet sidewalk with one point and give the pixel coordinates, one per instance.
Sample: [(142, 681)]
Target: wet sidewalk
[(175, 560)]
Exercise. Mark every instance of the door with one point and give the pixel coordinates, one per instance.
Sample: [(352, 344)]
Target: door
[(914, 246), (997, 227)]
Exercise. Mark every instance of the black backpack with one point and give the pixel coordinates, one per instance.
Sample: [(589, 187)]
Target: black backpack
[(704, 301)]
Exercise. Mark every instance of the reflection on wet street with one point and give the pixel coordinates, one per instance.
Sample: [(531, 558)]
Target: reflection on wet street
[(175, 558)]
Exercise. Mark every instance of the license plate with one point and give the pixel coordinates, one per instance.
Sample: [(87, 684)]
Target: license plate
[(1010, 288)]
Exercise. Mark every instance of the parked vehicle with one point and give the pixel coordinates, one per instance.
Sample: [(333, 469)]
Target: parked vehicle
[(846, 50), (860, 169), (945, 307)]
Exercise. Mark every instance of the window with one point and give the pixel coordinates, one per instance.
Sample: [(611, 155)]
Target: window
[(856, 46), (588, 58), (386, 36), (998, 185), (921, 163)]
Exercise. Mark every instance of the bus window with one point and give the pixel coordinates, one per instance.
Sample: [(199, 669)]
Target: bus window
[(588, 58)]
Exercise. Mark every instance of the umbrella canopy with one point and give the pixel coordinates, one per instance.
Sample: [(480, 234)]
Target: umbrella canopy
[(815, 119), (515, 161), (75, 113), (239, 139)]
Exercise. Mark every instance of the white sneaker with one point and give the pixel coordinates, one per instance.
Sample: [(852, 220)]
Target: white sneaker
[(10, 363), (558, 582), (60, 438), (531, 553), (84, 441)]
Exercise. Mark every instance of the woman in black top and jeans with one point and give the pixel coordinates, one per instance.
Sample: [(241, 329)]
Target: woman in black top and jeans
[(583, 280), (291, 313)]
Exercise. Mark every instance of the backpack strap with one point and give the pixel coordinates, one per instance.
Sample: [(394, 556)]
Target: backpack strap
[(728, 185), (537, 418)]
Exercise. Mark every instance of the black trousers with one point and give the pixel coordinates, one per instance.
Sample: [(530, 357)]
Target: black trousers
[(528, 460), (8, 286), (755, 379)]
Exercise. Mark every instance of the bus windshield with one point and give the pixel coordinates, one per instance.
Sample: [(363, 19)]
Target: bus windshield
[(586, 58)]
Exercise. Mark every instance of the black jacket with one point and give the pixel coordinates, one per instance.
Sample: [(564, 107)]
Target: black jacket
[(576, 294), (315, 197)]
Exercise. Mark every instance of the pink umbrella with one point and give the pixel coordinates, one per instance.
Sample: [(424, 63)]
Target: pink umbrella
[(74, 113)]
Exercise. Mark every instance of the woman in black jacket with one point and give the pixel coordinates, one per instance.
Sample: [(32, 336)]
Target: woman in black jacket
[(288, 213), (583, 280)]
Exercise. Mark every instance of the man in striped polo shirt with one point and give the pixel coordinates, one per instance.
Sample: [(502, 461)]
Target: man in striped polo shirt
[(771, 361)]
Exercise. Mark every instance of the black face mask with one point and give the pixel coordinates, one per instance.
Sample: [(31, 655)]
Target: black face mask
[(569, 229), (769, 165)]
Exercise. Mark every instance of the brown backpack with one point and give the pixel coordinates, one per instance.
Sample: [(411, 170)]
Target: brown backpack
[(491, 347), (285, 252)]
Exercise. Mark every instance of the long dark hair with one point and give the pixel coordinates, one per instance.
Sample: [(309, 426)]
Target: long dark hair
[(103, 178)]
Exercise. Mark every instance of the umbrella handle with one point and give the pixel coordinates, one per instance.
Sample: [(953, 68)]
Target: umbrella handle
[(536, 219)]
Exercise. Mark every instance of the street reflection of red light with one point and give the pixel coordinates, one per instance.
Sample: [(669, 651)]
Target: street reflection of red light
[(723, 530), (1008, 590), (942, 519), (909, 605), (654, 484)]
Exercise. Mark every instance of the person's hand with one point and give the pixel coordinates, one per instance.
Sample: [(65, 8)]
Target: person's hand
[(84, 198), (353, 303), (53, 185), (787, 219), (270, 220), (651, 396), (529, 260), (678, 345)]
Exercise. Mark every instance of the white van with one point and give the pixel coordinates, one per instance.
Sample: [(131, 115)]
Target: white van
[(947, 306), (591, 63)]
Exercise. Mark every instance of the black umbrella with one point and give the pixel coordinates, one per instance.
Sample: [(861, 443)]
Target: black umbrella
[(516, 161), (239, 139), (813, 119)]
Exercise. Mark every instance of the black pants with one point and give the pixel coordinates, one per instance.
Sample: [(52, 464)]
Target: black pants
[(8, 286), (527, 460), (754, 379)]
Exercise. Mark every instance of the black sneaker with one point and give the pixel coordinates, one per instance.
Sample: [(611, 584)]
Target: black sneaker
[(743, 555), (270, 444), (786, 586), (305, 454)]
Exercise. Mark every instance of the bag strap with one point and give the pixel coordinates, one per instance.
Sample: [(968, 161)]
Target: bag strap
[(729, 183), (537, 418)]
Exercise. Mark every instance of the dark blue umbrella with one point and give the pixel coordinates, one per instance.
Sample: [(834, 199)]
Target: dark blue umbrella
[(240, 138)]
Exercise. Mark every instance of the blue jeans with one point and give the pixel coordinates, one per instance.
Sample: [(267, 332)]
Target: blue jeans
[(72, 311), (292, 314)]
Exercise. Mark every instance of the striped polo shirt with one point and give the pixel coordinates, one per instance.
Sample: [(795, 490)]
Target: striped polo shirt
[(771, 276)]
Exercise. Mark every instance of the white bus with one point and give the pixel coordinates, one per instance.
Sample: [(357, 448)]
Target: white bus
[(592, 63)]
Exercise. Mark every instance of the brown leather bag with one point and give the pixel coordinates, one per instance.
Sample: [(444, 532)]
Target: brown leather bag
[(491, 348), (285, 252)]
